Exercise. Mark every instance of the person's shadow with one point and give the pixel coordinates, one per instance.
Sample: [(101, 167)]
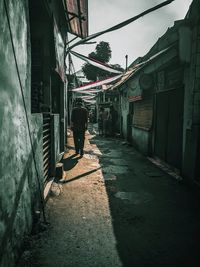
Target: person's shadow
[(70, 162)]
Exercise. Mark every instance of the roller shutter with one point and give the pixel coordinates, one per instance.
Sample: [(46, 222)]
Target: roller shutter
[(143, 113)]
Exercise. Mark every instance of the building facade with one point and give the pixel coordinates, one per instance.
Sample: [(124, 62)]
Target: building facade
[(33, 110), (190, 56), (160, 105)]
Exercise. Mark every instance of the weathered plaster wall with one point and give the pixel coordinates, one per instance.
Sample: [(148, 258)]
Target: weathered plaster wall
[(140, 140), (62, 118), (56, 136), (124, 114), (191, 131), (18, 182), (192, 109)]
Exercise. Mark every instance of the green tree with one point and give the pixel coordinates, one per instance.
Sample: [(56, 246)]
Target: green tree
[(103, 54)]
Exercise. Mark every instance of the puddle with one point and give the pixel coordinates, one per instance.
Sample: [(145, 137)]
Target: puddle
[(135, 197)]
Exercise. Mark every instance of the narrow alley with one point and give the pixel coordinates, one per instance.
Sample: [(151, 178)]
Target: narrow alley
[(125, 74), (112, 208)]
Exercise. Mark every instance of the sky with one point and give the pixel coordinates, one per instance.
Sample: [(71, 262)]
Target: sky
[(135, 39)]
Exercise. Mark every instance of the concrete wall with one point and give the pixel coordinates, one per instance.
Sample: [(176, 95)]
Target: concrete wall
[(141, 140), (18, 181), (124, 114), (63, 115), (140, 137), (191, 129), (56, 136)]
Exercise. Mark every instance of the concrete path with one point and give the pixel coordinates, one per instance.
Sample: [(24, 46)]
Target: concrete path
[(116, 208)]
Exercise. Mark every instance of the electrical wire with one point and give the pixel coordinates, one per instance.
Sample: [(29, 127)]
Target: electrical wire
[(120, 25)]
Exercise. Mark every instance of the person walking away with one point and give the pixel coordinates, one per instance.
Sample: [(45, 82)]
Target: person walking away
[(100, 121), (79, 123), (114, 118), (105, 117), (108, 124)]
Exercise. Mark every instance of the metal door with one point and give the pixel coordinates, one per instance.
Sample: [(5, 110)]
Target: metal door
[(169, 126)]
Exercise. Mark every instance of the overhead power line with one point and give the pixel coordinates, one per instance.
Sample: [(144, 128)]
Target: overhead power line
[(120, 25)]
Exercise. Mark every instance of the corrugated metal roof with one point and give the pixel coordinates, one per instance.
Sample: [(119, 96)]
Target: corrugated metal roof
[(77, 13), (130, 72), (125, 76)]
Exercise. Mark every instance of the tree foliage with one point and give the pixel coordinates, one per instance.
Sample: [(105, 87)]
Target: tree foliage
[(103, 54)]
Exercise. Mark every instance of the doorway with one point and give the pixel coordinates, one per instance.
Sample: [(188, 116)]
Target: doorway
[(169, 126)]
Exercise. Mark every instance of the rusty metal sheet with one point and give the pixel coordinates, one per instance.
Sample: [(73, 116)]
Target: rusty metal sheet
[(77, 12)]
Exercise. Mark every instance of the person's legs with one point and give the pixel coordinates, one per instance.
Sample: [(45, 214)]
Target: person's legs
[(112, 128), (76, 141), (100, 128), (101, 131), (81, 141), (104, 127)]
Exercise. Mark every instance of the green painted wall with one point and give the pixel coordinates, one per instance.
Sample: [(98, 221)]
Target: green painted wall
[(141, 140), (18, 182), (190, 166), (56, 136), (124, 114)]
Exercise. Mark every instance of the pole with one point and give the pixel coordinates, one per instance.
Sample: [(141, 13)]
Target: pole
[(126, 56)]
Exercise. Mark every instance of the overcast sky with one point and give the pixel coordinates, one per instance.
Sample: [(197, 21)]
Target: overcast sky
[(135, 39)]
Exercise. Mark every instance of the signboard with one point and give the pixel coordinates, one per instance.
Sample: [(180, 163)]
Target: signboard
[(77, 13)]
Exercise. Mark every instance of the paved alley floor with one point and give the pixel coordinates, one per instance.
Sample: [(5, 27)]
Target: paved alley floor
[(116, 208)]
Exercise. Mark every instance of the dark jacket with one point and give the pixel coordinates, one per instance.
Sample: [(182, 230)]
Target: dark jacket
[(79, 119)]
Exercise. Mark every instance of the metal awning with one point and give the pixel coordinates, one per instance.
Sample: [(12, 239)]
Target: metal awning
[(130, 72), (77, 17)]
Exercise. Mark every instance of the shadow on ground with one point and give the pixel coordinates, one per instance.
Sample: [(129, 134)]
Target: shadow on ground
[(70, 162), (79, 176), (155, 218)]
